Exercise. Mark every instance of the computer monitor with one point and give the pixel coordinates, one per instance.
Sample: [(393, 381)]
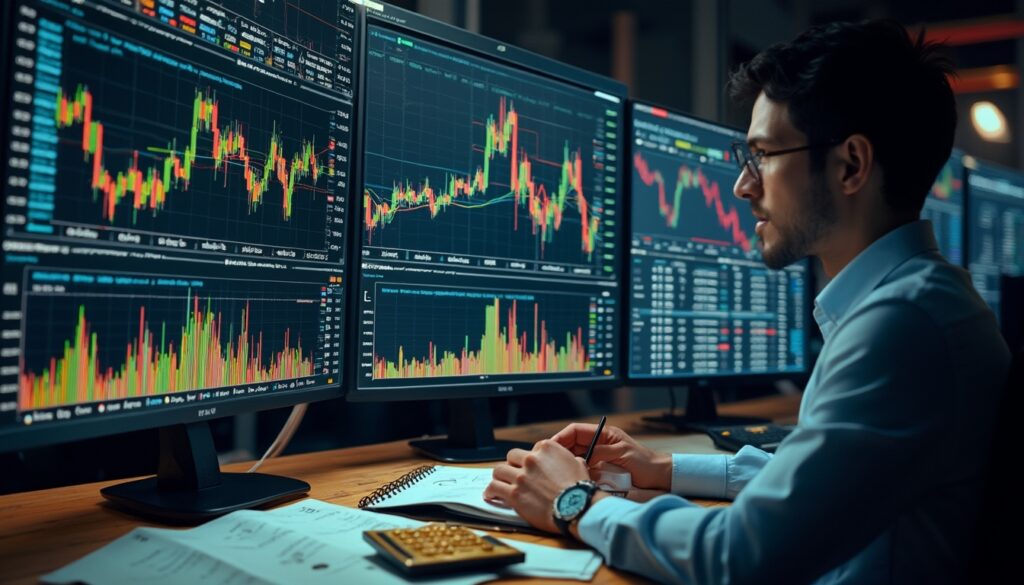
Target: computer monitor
[(944, 206), (175, 187), (995, 243), (703, 308), (490, 225)]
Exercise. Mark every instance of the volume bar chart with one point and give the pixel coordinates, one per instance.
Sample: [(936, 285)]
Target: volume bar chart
[(472, 333), (132, 336)]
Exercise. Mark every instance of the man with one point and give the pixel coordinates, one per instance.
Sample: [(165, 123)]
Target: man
[(878, 483)]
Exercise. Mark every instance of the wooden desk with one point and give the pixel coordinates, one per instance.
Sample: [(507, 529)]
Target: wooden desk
[(43, 530)]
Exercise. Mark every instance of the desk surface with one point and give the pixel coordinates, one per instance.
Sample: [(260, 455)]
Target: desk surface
[(43, 530)]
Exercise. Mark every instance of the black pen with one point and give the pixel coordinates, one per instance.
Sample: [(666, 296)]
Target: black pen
[(488, 527), (590, 449)]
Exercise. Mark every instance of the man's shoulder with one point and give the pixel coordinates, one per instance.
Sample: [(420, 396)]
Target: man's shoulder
[(936, 289), (926, 302)]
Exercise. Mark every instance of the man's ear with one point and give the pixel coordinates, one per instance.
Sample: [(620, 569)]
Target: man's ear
[(856, 161)]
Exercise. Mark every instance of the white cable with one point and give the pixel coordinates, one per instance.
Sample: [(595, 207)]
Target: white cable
[(285, 436)]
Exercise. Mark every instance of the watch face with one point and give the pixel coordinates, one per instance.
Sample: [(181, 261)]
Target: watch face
[(572, 502)]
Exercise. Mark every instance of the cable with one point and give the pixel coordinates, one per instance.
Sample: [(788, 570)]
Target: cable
[(285, 436)]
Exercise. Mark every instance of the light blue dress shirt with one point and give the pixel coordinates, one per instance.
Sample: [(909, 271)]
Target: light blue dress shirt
[(879, 481)]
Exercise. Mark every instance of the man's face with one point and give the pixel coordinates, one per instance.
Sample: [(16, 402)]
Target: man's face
[(794, 207)]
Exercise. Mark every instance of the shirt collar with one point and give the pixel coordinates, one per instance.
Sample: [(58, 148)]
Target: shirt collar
[(858, 278)]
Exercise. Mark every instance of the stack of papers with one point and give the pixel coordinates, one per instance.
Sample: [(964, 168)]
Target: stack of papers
[(306, 542)]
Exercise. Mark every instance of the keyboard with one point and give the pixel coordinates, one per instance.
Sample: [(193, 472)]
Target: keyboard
[(763, 436)]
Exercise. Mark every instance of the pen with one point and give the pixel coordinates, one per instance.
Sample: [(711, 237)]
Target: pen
[(590, 449), (497, 527), (474, 526)]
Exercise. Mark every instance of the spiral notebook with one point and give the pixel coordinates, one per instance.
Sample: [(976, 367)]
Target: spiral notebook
[(456, 491)]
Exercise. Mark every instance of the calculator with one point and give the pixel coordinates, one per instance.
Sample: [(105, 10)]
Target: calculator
[(441, 548)]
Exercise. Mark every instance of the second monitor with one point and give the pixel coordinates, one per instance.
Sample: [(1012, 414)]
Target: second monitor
[(702, 305), (490, 225)]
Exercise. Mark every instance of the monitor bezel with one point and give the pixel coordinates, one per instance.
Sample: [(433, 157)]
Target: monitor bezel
[(698, 380), (42, 434), (437, 32)]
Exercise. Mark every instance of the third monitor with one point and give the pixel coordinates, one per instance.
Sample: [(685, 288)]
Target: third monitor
[(703, 307)]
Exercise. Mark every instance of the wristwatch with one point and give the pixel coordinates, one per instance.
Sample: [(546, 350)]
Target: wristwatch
[(570, 505)]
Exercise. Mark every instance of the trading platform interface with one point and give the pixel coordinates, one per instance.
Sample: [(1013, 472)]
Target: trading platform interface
[(489, 222), (174, 203)]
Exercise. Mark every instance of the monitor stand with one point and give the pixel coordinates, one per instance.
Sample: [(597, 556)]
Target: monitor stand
[(189, 487), (700, 413), (470, 436)]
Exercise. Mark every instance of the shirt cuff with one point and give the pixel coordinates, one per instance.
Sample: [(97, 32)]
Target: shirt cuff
[(600, 519), (702, 476)]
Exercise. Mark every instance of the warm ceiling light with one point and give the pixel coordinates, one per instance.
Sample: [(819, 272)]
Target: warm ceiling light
[(989, 122)]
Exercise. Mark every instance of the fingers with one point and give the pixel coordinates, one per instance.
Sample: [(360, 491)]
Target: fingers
[(505, 473), (516, 457), (577, 436), (499, 491), (610, 453), (503, 478), (547, 445)]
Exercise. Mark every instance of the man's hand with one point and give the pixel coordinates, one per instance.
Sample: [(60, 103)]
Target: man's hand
[(529, 481), (649, 469)]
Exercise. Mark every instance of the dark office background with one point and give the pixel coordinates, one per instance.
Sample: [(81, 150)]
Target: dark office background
[(677, 53)]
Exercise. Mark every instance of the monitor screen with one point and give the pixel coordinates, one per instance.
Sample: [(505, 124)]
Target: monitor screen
[(175, 191), (944, 206), (701, 301), (490, 217), (995, 228)]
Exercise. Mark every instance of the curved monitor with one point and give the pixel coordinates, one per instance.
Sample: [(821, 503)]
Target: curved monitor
[(702, 304), (175, 186)]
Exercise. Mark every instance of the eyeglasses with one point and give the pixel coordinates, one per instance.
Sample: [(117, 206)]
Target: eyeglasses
[(746, 159)]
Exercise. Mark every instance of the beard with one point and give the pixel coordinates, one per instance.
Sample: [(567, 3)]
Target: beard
[(795, 239)]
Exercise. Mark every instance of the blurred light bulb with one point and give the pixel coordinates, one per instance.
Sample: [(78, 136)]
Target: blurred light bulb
[(989, 122)]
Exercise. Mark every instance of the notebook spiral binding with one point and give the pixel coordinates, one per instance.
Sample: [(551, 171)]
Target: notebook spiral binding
[(393, 487)]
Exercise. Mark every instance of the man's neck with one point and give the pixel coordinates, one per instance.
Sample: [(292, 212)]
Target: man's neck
[(846, 243)]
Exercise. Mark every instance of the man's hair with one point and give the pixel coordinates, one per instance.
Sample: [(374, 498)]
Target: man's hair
[(865, 78)]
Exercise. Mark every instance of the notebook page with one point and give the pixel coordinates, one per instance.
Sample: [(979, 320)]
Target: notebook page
[(456, 488)]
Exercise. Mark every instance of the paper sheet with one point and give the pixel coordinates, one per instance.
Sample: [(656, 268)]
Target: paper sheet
[(308, 542)]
